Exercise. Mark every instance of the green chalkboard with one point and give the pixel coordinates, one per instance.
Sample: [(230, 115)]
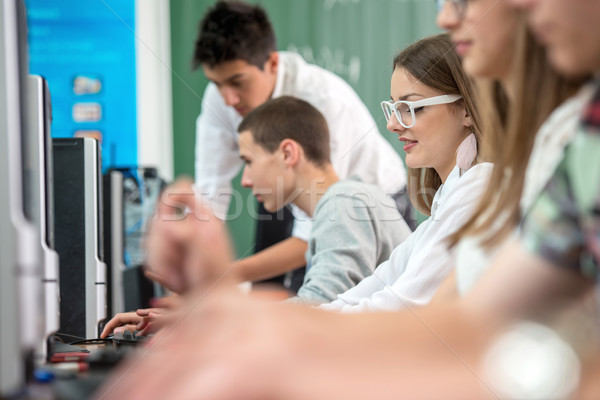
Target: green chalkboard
[(356, 39)]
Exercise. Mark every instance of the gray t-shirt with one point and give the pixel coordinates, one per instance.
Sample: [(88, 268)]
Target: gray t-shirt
[(355, 228)]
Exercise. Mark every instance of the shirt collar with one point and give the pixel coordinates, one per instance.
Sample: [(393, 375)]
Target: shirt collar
[(277, 91), (442, 192)]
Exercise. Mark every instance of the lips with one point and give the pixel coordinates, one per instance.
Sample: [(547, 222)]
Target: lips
[(462, 47), (409, 144)]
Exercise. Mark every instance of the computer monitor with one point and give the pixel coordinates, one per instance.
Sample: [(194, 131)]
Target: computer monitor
[(39, 199), (19, 265), (130, 196), (142, 187), (78, 235)]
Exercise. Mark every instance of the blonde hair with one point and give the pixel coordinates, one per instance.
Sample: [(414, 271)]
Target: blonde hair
[(512, 126), (434, 62)]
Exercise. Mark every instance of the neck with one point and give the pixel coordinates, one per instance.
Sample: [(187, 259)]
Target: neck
[(444, 173), (313, 183)]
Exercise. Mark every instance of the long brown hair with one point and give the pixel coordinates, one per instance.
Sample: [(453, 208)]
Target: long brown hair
[(511, 127), (434, 62)]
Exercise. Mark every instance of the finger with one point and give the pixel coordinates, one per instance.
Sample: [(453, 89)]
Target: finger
[(124, 328), (144, 312), (160, 321), (118, 320), (164, 264), (146, 330), (162, 243), (210, 247), (165, 255), (176, 198), (143, 324)]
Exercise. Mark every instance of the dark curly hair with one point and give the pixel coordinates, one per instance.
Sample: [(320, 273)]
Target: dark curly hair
[(233, 30)]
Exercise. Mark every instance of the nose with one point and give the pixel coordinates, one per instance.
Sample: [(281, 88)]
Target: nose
[(230, 96), (246, 181), (393, 125), (447, 17)]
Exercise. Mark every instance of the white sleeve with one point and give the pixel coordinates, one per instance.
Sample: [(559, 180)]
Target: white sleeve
[(384, 275), (217, 158), (413, 279)]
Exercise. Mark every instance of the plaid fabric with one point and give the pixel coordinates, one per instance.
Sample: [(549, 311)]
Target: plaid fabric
[(563, 225), (591, 117)]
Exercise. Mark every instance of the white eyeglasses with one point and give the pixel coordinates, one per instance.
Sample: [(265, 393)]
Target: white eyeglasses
[(405, 110), (460, 7)]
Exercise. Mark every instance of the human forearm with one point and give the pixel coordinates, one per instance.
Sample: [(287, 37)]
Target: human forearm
[(447, 290), (590, 385), (411, 350), (422, 354), (540, 285), (278, 259)]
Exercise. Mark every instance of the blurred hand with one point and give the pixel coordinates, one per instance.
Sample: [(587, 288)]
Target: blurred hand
[(154, 319), (187, 246), (121, 321)]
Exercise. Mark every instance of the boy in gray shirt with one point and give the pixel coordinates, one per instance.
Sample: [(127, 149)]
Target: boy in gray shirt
[(284, 144)]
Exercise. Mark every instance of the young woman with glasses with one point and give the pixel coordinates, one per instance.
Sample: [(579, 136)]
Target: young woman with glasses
[(432, 112)]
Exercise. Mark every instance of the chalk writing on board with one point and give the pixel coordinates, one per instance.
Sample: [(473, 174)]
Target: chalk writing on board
[(328, 4), (336, 61)]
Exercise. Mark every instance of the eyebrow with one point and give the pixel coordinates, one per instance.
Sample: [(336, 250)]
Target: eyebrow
[(244, 159), (232, 78), (406, 96)]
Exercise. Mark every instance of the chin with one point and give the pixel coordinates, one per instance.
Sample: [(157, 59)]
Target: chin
[(411, 162), (569, 64), (270, 207)]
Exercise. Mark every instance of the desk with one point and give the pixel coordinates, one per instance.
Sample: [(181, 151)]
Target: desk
[(79, 385)]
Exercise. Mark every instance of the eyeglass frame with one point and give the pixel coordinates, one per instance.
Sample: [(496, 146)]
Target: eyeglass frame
[(430, 101), (459, 5)]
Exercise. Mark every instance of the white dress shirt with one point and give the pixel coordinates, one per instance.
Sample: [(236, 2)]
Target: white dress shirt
[(357, 147), (418, 266)]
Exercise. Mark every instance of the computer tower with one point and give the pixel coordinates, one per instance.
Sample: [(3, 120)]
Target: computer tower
[(39, 202), (78, 230), (114, 240)]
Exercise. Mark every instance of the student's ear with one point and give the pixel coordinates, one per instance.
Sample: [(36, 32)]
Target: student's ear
[(467, 120), (272, 63), (290, 152)]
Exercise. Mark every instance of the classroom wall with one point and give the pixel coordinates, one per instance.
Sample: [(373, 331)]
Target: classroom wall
[(357, 39)]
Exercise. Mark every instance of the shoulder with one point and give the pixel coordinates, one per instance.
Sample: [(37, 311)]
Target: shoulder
[(355, 199), (354, 188), (478, 171), (305, 78), (464, 190), (476, 176), (211, 93)]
